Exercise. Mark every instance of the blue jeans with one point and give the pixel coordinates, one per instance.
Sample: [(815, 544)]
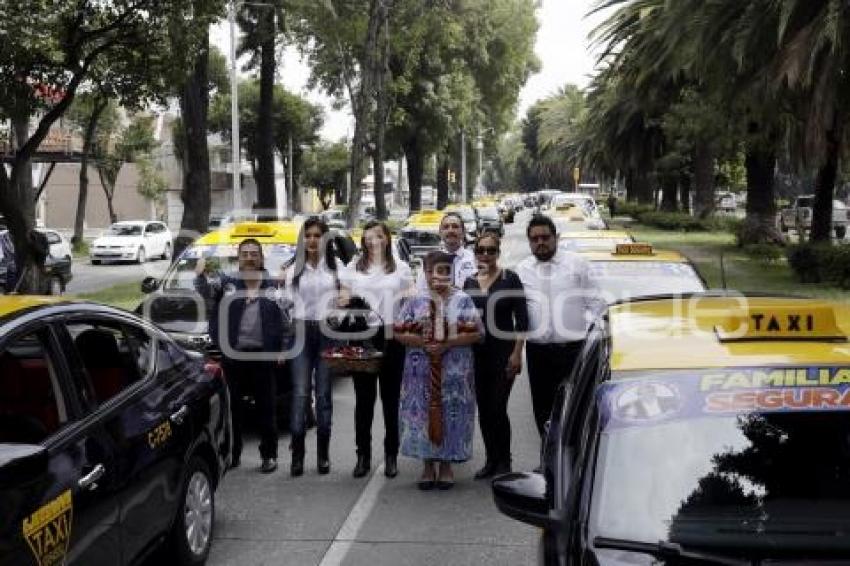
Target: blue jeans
[(308, 366)]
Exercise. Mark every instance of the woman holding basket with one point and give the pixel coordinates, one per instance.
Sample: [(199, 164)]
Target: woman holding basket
[(312, 283), (382, 282), (437, 407)]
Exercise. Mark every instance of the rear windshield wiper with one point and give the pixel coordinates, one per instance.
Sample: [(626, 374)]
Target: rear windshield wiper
[(668, 551)]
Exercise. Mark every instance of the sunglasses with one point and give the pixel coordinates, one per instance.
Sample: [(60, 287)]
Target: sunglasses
[(487, 251)]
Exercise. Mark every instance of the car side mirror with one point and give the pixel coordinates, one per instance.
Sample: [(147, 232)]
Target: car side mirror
[(522, 496), (21, 463), (149, 285)]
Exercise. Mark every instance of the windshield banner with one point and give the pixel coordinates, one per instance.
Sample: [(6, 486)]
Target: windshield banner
[(651, 399)]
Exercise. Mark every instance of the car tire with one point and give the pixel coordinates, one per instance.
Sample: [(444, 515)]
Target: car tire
[(55, 286), (166, 253), (840, 232), (141, 256), (192, 532), (95, 262)]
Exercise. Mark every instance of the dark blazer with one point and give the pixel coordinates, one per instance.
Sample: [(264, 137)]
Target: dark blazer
[(272, 318)]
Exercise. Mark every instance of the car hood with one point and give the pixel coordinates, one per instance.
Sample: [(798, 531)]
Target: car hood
[(117, 240)]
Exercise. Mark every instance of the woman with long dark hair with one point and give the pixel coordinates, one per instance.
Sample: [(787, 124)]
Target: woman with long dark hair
[(312, 283), (383, 282), (499, 296)]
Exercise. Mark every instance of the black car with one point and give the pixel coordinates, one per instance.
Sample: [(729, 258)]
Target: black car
[(113, 438), (690, 434)]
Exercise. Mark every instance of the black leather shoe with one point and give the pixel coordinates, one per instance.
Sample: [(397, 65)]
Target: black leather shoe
[(323, 459), (296, 468), (487, 471), (268, 466), (362, 467), (391, 466), (324, 465), (502, 468)]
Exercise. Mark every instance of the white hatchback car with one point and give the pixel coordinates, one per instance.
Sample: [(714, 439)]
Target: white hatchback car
[(135, 240)]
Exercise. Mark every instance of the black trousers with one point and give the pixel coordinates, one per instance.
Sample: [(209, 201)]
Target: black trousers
[(548, 366), (257, 378), (492, 392), (366, 387)]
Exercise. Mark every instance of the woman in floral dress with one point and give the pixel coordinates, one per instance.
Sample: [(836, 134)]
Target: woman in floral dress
[(437, 407)]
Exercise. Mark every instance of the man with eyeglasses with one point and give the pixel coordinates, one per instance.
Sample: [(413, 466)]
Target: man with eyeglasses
[(560, 296), (463, 260)]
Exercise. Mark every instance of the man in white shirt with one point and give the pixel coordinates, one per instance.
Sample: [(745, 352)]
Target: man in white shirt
[(464, 265), (560, 297)]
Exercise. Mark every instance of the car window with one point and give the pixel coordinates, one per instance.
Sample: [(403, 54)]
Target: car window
[(125, 230), (53, 238), (109, 359), (32, 406)]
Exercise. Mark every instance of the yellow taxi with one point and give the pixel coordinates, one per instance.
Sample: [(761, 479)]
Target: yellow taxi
[(634, 270), (708, 429), (421, 234), (594, 240), (570, 217)]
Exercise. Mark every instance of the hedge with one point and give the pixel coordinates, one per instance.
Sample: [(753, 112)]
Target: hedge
[(821, 263), (678, 221)]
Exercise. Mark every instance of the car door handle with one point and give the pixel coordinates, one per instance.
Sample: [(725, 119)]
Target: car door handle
[(179, 416), (89, 481)]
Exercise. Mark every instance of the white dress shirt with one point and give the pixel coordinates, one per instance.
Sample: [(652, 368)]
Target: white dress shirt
[(463, 267), (316, 292), (383, 291), (561, 297)]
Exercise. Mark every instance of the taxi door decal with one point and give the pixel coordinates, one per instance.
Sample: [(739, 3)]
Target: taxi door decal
[(48, 530)]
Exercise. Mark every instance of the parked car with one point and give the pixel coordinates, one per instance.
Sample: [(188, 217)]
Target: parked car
[(799, 216), (113, 438), (489, 220), (57, 265), (132, 241), (586, 202), (724, 201)]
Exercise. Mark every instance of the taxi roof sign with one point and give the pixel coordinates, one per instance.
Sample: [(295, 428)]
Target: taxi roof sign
[(781, 322), (256, 229), (633, 249)]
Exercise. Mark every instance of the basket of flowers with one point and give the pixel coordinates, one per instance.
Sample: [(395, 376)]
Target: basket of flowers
[(355, 353)]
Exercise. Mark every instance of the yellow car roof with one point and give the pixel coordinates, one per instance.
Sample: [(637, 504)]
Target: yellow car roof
[(597, 235), (665, 256), (10, 304), (264, 232), (704, 331)]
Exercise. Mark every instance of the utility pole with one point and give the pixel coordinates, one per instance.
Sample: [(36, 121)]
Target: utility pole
[(234, 114), (289, 184), (464, 196)]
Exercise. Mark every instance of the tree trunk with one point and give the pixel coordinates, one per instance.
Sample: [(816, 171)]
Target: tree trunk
[(759, 224), (381, 110), (265, 123), (194, 104), (669, 193), (825, 187), (685, 192), (639, 188), (362, 111), (703, 179), (82, 197), (108, 186), (415, 169), (443, 183)]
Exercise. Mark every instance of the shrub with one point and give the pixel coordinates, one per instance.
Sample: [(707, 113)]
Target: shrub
[(821, 263)]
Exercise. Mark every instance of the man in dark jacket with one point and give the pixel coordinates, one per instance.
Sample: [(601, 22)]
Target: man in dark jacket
[(250, 334)]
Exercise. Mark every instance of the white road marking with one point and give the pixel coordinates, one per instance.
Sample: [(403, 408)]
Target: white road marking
[(347, 533)]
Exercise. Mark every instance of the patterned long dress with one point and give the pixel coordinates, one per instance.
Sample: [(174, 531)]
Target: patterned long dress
[(458, 386)]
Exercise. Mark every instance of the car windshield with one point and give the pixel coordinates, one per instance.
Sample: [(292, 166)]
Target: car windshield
[(124, 230), (724, 458), (620, 280), (488, 213), (221, 258)]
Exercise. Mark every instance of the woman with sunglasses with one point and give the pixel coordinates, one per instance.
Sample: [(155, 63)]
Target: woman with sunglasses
[(499, 297), (383, 282)]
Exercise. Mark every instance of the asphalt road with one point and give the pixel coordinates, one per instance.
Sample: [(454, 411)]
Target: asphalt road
[(89, 278), (338, 520)]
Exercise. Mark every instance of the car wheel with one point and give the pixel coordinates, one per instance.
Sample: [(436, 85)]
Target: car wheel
[(55, 286), (191, 535), (166, 253), (141, 257), (840, 232), (95, 262)]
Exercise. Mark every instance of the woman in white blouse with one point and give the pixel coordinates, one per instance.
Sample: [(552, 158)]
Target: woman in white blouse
[(312, 283), (383, 281)]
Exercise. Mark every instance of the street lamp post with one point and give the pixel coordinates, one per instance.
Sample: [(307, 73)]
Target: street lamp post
[(463, 167), (234, 114)]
